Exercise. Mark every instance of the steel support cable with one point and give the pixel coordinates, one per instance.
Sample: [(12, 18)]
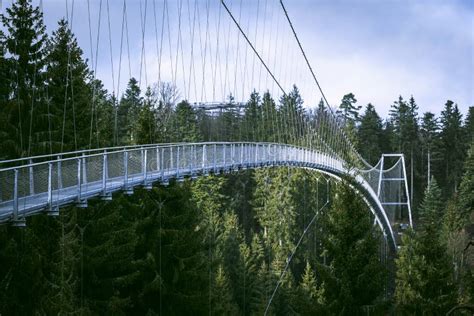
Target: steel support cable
[(112, 65), (208, 47), (304, 54), (218, 29), (245, 71), (226, 61), (203, 91), (94, 87), (128, 42), (276, 41), (165, 5), (161, 44), (143, 16), (155, 24), (90, 33), (237, 52), (48, 104), (186, 92), (263, 43), (310, 68), (72, 82), (67, 81), (47, 99), (116, 100), (192, 70), (201, 50), (274, 114), (32, 101), (255, 41), (253, 48), (20, 128), (269, 58), (288, 261), (237, 55)]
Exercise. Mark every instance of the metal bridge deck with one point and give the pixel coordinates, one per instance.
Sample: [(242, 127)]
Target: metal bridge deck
[(44, 184)]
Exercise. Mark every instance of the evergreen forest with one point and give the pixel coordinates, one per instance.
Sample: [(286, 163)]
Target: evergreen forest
[(219, 244)]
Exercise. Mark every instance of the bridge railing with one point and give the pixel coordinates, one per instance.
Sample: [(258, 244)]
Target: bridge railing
[(27, 188)]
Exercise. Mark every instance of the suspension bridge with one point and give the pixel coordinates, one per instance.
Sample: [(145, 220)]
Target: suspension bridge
[(257, 57)]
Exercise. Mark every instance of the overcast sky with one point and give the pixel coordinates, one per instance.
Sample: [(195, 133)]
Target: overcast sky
[(377, 49)]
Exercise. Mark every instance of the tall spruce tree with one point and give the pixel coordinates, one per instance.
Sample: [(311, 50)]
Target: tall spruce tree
[(127, 114), (405, 139), (69, 92), (466, 190), (147, 127), (310, 299), (251, 120), (452, 148), (291, 113), (222, 301), (370, 135), (185, 123), (425, 257), (8, 130), (428, 137), (469, 124), (25, 43), (351, 242)]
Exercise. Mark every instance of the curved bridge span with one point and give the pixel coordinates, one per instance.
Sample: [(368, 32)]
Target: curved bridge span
[(45, 183)]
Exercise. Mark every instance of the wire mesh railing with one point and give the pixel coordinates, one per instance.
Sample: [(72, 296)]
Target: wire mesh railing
[(27, 189)]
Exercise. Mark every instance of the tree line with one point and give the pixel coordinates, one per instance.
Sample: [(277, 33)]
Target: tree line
[(219, 244)]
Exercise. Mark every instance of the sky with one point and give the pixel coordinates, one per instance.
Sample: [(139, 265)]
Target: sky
[(376, 49)]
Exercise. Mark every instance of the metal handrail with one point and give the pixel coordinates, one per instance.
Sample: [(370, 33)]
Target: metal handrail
[(173, 160)]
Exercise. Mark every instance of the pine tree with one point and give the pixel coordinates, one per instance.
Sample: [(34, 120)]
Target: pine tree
[(69, 93), (146, 127), (370, 135), (252, 118), (469, 124), (452, 148), (185, 123), (8, 130), (466, 189), (410, 279), (127, 114), (275, 208), (352, 243), (61, 297), (291, 113), (310, 298), (25, 43), (110, 252), (424, 281), (231, 240), (348, 111), (431, 210), (428, 137), (405, 139), (223, 300), (102, 130), (270, 120)]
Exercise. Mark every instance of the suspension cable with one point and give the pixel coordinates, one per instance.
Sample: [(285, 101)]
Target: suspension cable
[(293, 253), (304, 54), (253, 48)]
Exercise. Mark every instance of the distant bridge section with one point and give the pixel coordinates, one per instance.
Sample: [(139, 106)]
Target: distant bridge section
[(218, 106)]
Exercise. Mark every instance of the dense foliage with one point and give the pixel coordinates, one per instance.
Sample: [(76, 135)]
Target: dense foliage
[(220, 244)]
